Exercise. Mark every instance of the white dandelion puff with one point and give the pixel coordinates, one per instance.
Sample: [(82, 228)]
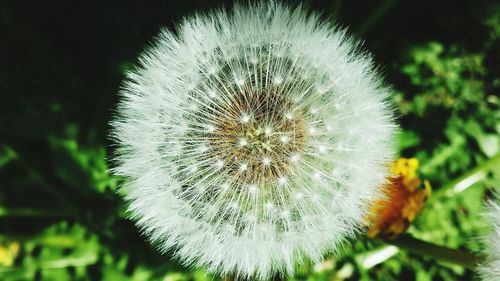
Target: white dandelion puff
[(252, 140), (490, 269)]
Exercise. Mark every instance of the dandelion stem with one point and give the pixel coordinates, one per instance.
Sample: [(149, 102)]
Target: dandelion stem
[(466, 180), (440, 253), (376, 256)]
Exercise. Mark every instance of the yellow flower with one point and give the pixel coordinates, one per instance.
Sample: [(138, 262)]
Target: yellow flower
[(405, 198), (8, 253)]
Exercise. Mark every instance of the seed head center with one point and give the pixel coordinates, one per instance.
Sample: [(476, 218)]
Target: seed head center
[(259, 140), (255, 138)]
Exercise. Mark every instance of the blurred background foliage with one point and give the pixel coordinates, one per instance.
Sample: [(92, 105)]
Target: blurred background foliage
[(61, 63)]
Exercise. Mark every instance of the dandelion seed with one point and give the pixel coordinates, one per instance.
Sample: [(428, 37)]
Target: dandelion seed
[(312, 131), (245, 117), (268, 206), (193, 168), (219, 164), (243, 167), (243, 142), (243, 84), (284, 139), (294, 158), (268, 131), (278, 80), (210, 128), (282, 181), (225, 186), (266, 161), (203, 148), (252, 189), (285, 213), (239, 82), (212, 93), (322, 148)]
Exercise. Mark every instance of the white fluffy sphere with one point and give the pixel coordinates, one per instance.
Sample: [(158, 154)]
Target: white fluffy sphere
[(252, 140), (490, 270)]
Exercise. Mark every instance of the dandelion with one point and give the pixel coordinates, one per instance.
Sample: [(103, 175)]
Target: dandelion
[(490, 270), (252, 140), (8, 253), (404, 200)]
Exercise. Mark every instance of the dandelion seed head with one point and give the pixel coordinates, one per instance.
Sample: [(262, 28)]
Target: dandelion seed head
[(489, 270), (229, 132)]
